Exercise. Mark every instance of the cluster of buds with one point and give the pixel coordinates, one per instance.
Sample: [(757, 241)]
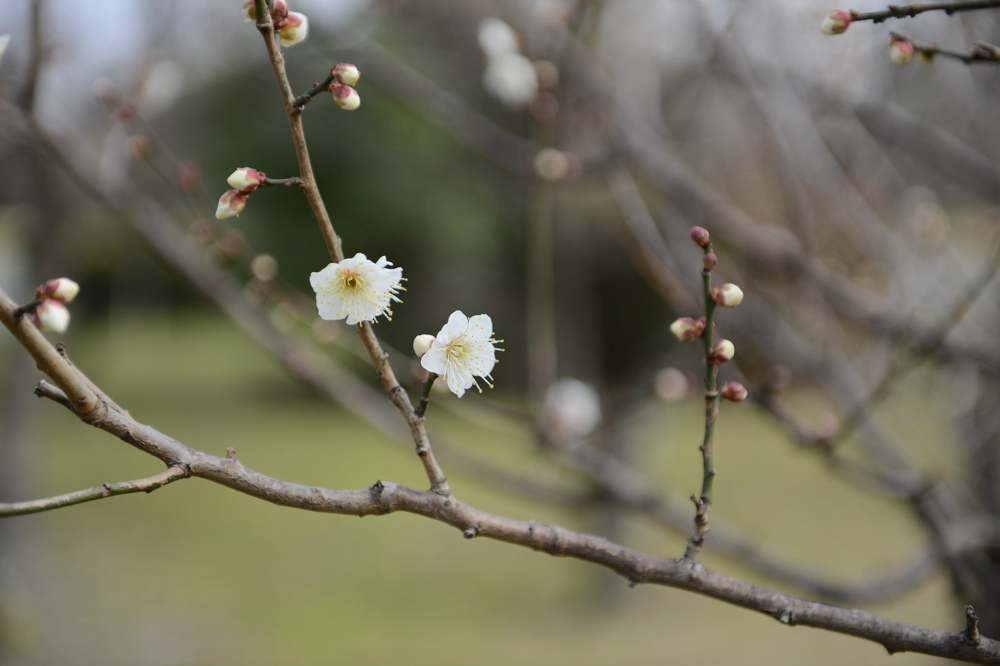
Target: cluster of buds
[(292, 27), (343, 76), (48, 311), (243, 181), (900, 51), (836, 22)]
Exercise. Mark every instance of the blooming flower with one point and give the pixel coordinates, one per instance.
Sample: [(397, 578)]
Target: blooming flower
[(356, 289), (463, 350)]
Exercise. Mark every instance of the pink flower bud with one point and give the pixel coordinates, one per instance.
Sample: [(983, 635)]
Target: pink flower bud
[(734, 392), (188, 177), (50, 315), (422, 344), (279, 10), (686, 329), (345, 97), (231, 203), (722, 351), (727, 295), (900, 51), (710, 261), (294, 30), (60, 289), (700, 236), (245, 179), (139, 146), (835, 22), (346, 73)]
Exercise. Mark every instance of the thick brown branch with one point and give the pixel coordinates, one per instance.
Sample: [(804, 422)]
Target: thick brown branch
[(386, 497)]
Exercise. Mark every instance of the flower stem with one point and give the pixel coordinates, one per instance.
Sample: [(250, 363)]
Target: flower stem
[(425, 395), (305, 98), (26, 308)]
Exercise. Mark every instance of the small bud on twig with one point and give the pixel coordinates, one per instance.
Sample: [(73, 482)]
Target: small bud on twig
[(50, 315), (346, 73), (836, 22), (710, 261), (245, 179), (60, 289), (231, 203), (734, 392), (722, 351), (295, 28), (700, 236), (422, 344), (345, 97), (686, 329), (727, 295), (900, 51)]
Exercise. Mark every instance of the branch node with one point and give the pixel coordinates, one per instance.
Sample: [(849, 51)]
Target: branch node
[(971, 635), (230, 453), (471, 532)]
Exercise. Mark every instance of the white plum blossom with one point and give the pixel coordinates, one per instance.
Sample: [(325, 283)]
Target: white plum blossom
[(463, 350), (357, 289)]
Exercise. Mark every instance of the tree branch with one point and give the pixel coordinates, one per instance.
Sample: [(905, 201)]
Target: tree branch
[(909, 11)]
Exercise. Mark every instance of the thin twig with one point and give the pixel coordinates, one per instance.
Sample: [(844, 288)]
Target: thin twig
[(908, 11), (983, 52), (147, 485)]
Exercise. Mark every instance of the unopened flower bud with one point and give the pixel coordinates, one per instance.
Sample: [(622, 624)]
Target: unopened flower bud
[(700, 236), (50, 315), (295, 29), (836, 22), (345, 97), (346, 73), (249, 13), (188, 177), (279, 10), (139, 146), (710, 261), (727, 295), (734, 392), (722, 351), (686, 329), (231, 203), (245, 179), (264, 267), (900, 51), (60, 289), (422, 344)]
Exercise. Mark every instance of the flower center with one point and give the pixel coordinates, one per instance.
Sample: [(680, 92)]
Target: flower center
[(350, 280), (456, 350)]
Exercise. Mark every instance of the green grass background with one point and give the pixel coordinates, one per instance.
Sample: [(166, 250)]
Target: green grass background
[(198, 574)]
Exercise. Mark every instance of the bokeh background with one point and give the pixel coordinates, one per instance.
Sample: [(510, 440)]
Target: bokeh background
[(853, 200)]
